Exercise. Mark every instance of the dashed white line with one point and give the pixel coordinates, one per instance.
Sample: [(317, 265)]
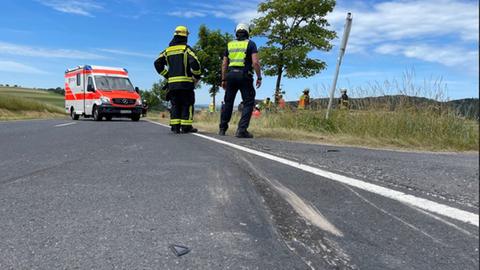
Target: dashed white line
[(418, 202), (66, 124)]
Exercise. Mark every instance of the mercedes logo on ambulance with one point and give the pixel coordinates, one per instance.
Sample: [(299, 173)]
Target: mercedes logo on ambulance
[(124, 101)]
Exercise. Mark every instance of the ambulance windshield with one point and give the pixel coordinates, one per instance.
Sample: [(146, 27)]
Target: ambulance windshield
[(108, 83)]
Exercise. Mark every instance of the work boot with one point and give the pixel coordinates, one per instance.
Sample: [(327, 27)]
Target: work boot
[(175, 129), (189, 129), (222, 131), (244, 134)]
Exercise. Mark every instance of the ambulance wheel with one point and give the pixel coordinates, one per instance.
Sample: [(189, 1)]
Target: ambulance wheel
[(108, 118), (73, 115), (96, 114), (135, 117)]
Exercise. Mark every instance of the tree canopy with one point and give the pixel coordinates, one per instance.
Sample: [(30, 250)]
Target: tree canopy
[(156, 96), (210, 48), (293, 29)]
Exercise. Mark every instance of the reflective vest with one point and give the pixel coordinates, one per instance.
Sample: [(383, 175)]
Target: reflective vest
[(267, 104), (237, 52), (301, 102)]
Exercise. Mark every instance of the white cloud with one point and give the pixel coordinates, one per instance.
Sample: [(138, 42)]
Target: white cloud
[(414, 29), (15, 49), (397, 20), (243, 11), (10, 66), (77, 7), (127, 53), (187, 14), (447, 55)]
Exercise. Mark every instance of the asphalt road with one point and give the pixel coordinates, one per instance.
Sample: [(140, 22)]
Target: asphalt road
[(115, 195)]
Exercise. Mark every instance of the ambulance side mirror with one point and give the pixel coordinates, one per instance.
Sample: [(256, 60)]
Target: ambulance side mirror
[(90, 88), (137, 90)]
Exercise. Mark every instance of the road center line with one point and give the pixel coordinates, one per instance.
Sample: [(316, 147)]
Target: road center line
[(66, 124), (418, 202)]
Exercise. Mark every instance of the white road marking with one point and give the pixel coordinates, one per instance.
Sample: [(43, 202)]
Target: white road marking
[(66, 124), (418, 202)]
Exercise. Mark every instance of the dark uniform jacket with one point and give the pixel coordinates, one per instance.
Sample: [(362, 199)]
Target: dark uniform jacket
[(182, 64)]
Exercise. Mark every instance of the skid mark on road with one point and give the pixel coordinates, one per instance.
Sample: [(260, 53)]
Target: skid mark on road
[(446, 222), (36, 172), (411, 226), (305, 233), (306, 210), (431, 206)]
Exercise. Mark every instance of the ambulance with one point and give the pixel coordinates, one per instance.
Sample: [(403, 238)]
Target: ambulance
[(101, 92)]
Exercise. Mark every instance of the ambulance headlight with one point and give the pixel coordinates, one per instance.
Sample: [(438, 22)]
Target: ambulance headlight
[(139, 101), (105, 100)]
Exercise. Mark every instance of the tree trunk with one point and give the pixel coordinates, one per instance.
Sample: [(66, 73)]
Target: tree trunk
[(277, 86), (213, 101)]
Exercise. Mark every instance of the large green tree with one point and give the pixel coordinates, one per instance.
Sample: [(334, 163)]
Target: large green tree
[(210, 48), (156, 96), (293, 29)]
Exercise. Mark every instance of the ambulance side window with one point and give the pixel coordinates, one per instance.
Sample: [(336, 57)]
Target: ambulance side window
[(78, 80), (90, 82)]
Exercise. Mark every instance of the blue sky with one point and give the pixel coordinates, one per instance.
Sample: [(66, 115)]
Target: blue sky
[(436, 40)]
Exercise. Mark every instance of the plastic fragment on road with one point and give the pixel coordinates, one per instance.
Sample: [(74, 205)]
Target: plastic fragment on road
[(179, 250)]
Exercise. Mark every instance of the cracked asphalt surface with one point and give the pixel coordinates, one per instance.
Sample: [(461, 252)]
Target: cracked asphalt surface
[(115, 195)]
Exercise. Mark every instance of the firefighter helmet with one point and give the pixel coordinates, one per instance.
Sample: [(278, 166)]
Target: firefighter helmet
[(181, 31)]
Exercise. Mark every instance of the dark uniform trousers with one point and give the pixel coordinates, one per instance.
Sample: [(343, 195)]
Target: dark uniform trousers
[(238, 80), (182, 107)]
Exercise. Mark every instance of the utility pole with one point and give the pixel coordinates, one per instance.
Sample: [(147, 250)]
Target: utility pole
[(343, 46)]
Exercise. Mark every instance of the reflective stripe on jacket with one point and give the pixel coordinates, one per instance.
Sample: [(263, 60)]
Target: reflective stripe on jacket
[(182, 65)]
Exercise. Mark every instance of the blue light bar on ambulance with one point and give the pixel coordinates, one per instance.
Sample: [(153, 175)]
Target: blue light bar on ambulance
[(87, 68), (125, 70)]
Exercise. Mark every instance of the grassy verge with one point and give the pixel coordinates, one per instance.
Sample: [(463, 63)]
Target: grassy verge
[(36, 95), (28, 104), (404, 129)]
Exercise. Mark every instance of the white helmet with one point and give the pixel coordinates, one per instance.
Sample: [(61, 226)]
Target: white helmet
[(242, 26)]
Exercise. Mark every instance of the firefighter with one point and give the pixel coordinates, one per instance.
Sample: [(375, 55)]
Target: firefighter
[(211, 108), (344, 103), (239, 62), (267, 104), (183, 74), (304, 100)]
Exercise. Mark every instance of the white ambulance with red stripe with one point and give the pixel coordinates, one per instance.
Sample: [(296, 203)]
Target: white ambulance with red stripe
[(101, 92)]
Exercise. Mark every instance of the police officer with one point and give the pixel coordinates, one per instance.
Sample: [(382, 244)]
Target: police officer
[(183, 74), (239, 62)]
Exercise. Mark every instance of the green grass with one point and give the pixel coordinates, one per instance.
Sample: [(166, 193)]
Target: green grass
[(22, 103), (402, 129), (35, 95)]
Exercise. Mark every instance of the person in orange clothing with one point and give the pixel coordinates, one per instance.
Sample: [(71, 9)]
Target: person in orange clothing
[(256, 113), (304, 101), (281, 102)]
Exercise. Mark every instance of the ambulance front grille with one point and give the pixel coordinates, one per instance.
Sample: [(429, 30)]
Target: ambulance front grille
[(123, 101)]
